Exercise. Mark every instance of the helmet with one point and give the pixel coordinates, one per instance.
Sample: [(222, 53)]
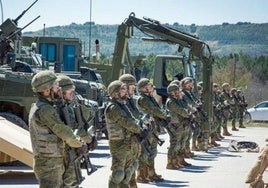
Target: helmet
[(177, 82), (215, 85), (172, 87), (199, 87), (200, 83), (128, 79), (225, 85), (186, 80), (143, 82), (114, 88), (233, 90), (43, 80), (65, 82)]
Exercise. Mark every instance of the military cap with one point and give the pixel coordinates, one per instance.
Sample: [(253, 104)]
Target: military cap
[(215, 85), (128, 79), (43, 80), (224, 85), (65, 82)]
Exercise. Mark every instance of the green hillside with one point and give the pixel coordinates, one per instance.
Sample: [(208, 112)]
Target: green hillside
[(249, 38)]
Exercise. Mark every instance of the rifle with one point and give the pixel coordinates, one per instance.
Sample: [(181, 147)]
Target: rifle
[(165, 124), (73, 157), (145, 145), (19, 17), (86, 163)]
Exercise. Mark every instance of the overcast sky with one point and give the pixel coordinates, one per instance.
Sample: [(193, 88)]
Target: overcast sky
[(199, 12)]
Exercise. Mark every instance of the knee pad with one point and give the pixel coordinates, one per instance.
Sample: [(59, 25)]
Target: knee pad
[(118, 175)]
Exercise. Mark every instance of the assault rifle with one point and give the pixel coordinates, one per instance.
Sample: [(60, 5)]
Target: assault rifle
[(86, 163), (165, 124), (73, 157)]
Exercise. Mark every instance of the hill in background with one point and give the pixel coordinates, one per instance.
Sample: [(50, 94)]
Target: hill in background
[(250, 38)]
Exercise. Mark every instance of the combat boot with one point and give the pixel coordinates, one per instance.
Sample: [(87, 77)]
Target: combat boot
[(213, 141), (142, 175), (241, 126), (172, 163), (182, 161), (234, 129), (133, 184), (225, 132), (153, 176)]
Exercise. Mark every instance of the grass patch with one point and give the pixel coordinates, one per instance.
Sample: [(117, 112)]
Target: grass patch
[(252, 124)]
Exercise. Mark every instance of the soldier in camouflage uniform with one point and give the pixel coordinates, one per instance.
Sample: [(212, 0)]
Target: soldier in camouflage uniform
[(49, 134), (234, 108), (121, 126), (227, 101), (148, 105), (193, 104), (131, 83), (242, 106), (74, 104), (180, 126)]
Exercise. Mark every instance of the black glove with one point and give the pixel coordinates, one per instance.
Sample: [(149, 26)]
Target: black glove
[(93, 144), (82, 150), (144, 132)]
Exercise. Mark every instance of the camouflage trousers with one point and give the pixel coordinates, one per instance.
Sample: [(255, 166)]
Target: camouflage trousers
[(49, 171), (121, 160)]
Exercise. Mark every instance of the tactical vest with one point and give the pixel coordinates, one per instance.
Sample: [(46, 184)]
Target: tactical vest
[(175, 117), (115, 131), (44, 142)]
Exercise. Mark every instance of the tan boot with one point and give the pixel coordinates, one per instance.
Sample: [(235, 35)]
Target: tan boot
[(142, 175), (241, 126), (153, 176), (235, 129), (213, 141), (225, 132), (172, 163), (220, 136), (194, 146), (183, 162)]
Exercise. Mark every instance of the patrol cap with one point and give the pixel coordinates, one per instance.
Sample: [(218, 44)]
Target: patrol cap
[(65, 82), (114, 88), (172, 87), (143, 82), (43, 80), (128, 79)]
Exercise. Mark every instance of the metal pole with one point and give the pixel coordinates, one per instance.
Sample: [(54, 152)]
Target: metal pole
[(2, 10), (89, 55)]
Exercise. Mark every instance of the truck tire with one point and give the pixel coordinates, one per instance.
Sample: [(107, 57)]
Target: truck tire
[(15, 119)]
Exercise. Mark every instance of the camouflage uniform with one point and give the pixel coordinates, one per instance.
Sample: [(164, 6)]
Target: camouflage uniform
[(227, 101), (234, 108), (148, 105), (49, 135), (121, 126), (72, 177), (130, 80), (242, 105), (180, 125)]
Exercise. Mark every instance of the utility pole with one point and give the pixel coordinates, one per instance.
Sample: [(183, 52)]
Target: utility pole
[(89, 45)]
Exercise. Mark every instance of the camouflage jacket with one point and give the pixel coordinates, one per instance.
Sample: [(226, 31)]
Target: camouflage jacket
[(48, 132), (120, 122)]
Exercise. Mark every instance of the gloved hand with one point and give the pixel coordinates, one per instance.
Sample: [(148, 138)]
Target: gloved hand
[(82, 150), (93, 144), (168, 119), (144, 132)]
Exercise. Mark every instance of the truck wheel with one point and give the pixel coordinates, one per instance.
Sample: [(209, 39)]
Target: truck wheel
[(15, 119)]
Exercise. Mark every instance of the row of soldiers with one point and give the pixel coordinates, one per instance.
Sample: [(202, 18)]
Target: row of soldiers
[(134, 123)]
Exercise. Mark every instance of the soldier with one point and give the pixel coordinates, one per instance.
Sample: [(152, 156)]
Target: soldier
[(193, 104), (131, 83), (227, 101), (72, 102), (234, 108), (148, 105), (242, 107), (121, 126), (49, 134), (181, 125)]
